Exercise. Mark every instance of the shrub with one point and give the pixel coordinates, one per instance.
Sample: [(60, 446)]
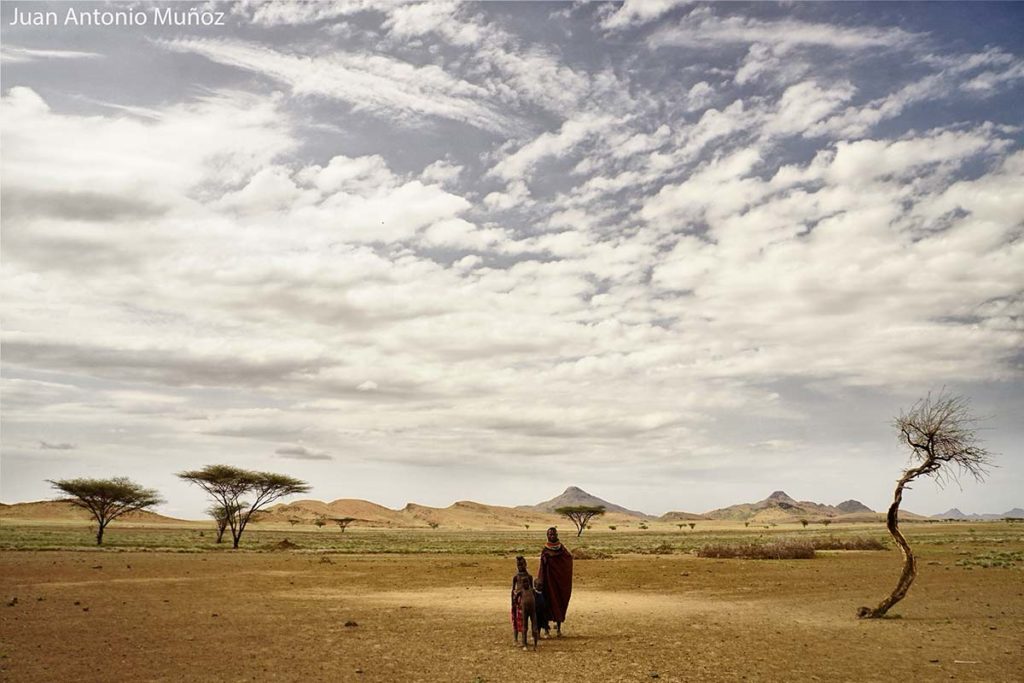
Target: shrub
[(781, 550), (590, 554), (662, 549), (861, 543)]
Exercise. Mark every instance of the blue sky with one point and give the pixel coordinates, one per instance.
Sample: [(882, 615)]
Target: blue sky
[(678, 255)]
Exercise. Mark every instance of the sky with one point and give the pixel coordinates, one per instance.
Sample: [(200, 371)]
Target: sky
[(678, 255)]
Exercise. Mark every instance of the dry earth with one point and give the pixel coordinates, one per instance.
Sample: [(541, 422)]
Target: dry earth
[(246, 616)]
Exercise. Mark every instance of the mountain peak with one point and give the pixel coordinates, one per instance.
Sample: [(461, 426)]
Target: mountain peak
[(780, 495), (849, 506), (574, 495)]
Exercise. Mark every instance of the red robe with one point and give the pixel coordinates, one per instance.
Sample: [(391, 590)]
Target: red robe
[(556, 574)]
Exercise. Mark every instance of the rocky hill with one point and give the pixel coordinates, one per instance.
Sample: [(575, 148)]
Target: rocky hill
[(577, 496), (780, 507), (852, 506), (676, 516), (954, 513)]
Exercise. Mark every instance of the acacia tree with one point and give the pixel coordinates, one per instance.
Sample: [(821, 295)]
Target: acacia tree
[(580, 515), (343, 522), (221, 514), (227, 485), (106, 499), (942, 436)]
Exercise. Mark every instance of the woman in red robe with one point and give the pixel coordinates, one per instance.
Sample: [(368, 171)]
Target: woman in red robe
[(554, 578)]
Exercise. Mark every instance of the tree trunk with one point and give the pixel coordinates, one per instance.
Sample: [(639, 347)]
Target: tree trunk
[(99, 535), (909, 562)]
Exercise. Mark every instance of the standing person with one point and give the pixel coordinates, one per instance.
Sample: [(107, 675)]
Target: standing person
[(554, 579)]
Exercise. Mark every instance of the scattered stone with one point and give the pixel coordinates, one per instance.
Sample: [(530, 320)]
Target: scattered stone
[(214, 615), (13, 601), (77, 602), (359, 671), (85, 609), (350, 624), (97, 566), (654, 674)]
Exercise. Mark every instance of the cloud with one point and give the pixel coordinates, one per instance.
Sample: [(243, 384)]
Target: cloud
[(634, 13), (302, 453), (714, 247), (299, 12), (384, 86), (12, 54), (702, 27), (47, 446), (519, 164)]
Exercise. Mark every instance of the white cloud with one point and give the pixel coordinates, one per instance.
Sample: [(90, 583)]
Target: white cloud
[(386, 86), (12, 54), (298, 12), (520, 164), (638, 12), (702, 27)]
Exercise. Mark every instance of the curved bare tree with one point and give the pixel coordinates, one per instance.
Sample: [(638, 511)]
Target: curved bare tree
[(942, 436)]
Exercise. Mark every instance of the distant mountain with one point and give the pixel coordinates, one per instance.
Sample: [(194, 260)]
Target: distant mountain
[(852, 506), (779, 506), (577, 496), (955, 513), (676, 516)]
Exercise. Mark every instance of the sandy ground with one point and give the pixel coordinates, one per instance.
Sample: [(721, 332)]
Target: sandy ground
[(242, 616)]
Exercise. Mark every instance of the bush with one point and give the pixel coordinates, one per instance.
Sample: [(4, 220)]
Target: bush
[(862, 543), (782, 550), (662, 549)]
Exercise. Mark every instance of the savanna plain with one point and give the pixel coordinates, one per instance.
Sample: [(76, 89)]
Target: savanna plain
[(164, 603)]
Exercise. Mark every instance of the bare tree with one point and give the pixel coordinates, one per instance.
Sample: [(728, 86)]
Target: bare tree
[(106, 499), (580, 515), (942, 436), (226, 485)]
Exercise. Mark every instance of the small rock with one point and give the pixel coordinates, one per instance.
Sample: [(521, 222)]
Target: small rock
[(97, 566), (654, 674), (359, 671), (85, 609), (350, 624), (214, 615), (13, 601), (77, 602)]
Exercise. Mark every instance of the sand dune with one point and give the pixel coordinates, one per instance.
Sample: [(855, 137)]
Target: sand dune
[(58, 510)]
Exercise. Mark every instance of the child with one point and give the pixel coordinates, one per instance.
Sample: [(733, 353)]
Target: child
[(524, 604)]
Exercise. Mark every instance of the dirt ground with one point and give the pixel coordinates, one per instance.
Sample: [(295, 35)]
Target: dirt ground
[(295, 616)]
